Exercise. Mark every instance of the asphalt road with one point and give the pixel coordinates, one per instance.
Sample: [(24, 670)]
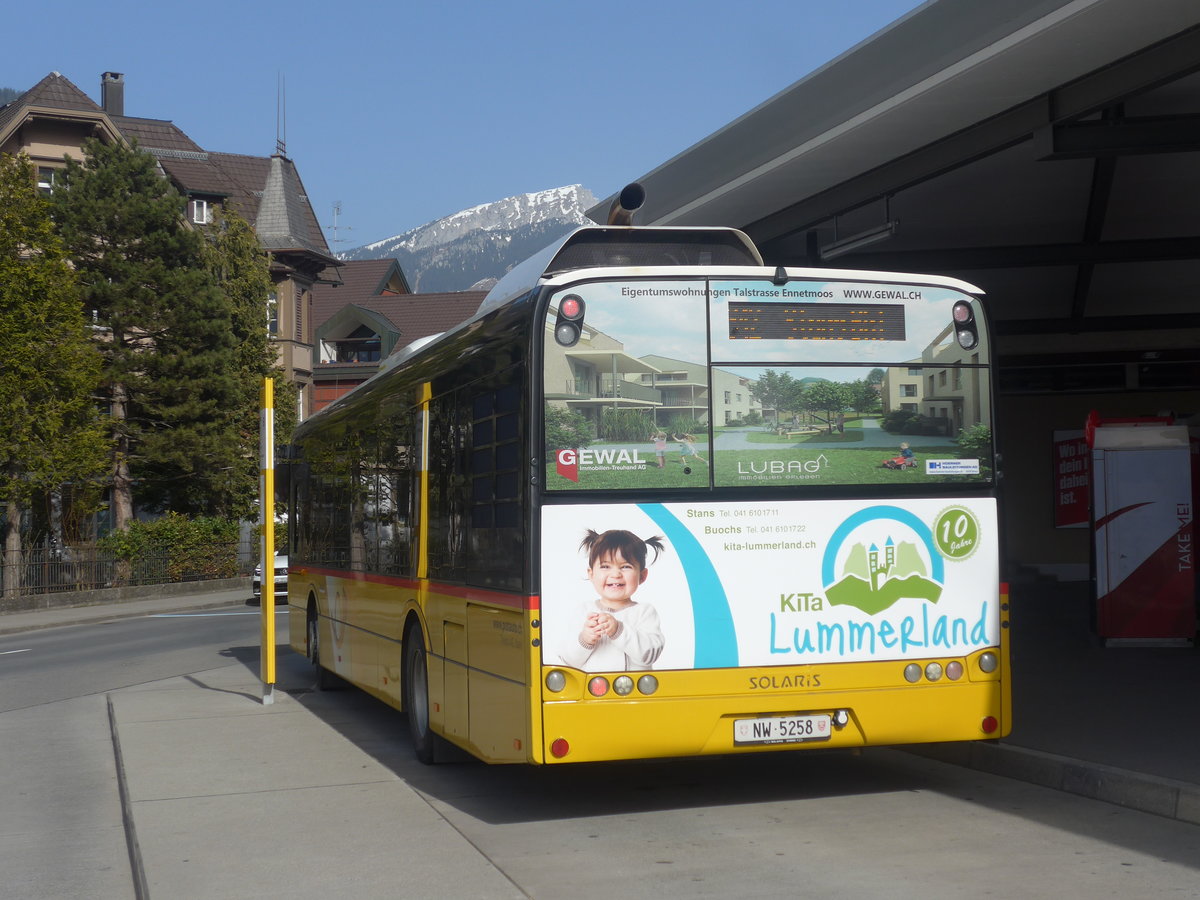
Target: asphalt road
[(883, 823), (39, 667)]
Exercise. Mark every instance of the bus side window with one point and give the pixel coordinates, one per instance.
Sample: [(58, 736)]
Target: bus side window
[(448, 485), (496, 546), (397, 477)]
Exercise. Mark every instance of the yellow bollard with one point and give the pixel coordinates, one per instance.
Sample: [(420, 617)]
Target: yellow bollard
[(266, 490)]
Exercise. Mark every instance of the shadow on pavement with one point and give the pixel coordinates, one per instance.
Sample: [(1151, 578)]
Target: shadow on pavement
[(1060, 682)]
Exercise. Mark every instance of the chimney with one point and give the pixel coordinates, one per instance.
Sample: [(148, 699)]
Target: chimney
[(112, 93)]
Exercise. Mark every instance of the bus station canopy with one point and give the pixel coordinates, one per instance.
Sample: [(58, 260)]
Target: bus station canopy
[(1046, 150)]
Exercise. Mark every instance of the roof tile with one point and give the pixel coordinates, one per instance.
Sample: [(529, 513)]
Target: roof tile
[(414, 315), (55, 91)]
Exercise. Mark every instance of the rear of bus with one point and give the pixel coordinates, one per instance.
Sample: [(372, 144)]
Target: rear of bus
[(803, 462)]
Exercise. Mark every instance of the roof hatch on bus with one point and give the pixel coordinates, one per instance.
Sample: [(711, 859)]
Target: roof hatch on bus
[(605, 246)]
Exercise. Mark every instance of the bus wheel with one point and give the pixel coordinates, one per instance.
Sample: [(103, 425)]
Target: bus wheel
[(324, 678), (416, 697)]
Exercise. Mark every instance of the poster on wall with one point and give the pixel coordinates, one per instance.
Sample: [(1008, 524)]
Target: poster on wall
[(630, 587), (1072, 465)]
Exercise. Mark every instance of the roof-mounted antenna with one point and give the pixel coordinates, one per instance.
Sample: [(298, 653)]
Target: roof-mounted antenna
[(630, 199), (280, 115), (337, 211)]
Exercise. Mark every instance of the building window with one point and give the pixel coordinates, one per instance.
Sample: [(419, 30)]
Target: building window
[(915, 372), (272, 313), (361, 345), (958, 379), (908, 390), (46, 176), (201, 212), (727, 396)]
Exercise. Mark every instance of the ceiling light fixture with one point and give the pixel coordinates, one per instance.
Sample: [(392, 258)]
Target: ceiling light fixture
[(851, 242), (857, 241)]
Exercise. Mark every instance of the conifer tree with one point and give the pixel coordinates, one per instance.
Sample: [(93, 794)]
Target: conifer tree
[(50, 430), (169, 347), (240, 266)]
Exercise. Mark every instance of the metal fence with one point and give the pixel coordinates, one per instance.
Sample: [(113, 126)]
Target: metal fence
[(86, 568)]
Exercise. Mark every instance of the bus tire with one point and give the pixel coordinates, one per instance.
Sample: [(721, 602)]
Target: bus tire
[(416, 698), (325, 680)]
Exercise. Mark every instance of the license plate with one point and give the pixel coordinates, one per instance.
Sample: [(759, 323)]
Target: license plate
[(781, 730)]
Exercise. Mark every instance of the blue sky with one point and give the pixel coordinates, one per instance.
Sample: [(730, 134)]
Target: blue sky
[(410, 111)]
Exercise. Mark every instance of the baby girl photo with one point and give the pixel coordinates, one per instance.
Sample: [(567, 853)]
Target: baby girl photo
[(616, 601)]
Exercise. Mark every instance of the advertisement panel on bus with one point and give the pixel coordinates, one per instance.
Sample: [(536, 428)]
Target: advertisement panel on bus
[(628, 587), (655, 384)]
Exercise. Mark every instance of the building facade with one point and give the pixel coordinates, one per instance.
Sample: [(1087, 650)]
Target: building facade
[(598, 374), (368, 314), (901, 388), (51, 121)]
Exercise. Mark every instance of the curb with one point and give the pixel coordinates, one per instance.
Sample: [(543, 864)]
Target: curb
[(136, 863), (1166, 797)]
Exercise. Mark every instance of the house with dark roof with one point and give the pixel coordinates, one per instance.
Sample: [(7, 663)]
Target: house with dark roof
[(370, 314), (52, 119)]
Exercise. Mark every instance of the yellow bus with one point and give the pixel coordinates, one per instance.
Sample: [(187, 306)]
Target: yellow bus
[(657, 499)]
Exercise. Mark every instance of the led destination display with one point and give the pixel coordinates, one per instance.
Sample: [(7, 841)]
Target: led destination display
[(816, 322)]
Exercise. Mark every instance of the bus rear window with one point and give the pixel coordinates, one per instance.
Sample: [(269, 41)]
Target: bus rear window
[(653, 384)]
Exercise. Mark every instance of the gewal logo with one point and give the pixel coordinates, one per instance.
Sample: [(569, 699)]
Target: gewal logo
[(568, 462)]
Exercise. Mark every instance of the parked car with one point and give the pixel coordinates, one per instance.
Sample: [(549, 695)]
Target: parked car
[(281, 568)]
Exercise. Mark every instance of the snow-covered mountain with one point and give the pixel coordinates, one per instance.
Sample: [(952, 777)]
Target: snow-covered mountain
[(474, 247)]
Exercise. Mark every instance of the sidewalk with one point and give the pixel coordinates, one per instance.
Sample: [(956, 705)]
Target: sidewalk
[(233, 787), (1116, 724), (193, 787)]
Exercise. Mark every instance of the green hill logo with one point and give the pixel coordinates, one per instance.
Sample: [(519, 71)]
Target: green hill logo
[(880, 570), (874, 579)]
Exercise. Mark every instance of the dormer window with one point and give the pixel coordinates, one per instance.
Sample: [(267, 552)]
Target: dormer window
[(201, 212), (361, 345)]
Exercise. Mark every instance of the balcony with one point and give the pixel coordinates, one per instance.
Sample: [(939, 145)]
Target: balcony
[(607, 389)]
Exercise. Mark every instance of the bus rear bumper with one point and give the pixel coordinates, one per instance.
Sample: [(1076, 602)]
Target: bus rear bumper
[(625, 728)]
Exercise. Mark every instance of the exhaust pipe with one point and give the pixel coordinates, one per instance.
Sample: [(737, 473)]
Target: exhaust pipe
[(630, 199)]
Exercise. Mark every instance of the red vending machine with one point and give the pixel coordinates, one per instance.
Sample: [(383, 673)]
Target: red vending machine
[(1142, 530)]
